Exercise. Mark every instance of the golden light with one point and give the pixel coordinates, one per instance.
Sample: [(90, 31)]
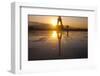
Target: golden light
[(54, 22), (54, 34)]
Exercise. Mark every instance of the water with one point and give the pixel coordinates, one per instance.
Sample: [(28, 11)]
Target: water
[(44, 45)]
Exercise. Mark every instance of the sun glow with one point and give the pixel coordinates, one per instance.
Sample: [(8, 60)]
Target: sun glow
[(54, 22)]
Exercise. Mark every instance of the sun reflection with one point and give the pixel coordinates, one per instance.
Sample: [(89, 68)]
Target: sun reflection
[(54, 34)]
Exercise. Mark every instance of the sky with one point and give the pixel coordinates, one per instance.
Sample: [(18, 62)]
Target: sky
[(72, 21)]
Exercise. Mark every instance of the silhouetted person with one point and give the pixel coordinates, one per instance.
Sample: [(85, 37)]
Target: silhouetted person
[(59, 24)]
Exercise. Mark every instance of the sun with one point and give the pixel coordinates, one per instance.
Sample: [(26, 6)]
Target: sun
[(54, 22)]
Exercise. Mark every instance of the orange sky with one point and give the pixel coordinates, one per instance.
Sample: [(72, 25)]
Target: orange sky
[(78, 22)]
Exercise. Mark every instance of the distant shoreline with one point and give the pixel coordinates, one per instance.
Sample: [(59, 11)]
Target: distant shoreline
[(56, 30), (31, 28)]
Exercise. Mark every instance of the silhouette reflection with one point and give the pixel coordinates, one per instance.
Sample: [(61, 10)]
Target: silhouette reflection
[(67, 30), (59, 36)]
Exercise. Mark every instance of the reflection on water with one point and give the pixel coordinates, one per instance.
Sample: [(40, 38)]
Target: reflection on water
[(59, 36), (54, 34), (57, 45)]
